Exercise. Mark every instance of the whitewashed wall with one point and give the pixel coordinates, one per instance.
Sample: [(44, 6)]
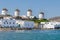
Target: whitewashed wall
[(26, 24), (50, 24), (8, 23)]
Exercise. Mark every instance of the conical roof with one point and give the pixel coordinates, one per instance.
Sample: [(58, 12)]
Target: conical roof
[(41, 12), (30, 10), (5, 9), (17, 10)]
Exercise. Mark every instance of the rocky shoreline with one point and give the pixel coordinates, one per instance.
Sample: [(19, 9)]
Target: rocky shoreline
[(9, 29)]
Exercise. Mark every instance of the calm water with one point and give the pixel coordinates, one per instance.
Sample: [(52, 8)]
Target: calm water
[(30, 35)]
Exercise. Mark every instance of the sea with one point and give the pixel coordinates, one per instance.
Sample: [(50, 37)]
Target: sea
[(30, 35)]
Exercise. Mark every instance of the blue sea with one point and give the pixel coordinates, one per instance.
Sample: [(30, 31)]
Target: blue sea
[(30, 35)]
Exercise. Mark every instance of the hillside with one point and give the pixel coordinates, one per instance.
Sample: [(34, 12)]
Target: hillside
[(55, 19)]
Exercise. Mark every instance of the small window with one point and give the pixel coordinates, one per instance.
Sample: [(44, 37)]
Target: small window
[(4, 22), (13, 22), (9, 22)]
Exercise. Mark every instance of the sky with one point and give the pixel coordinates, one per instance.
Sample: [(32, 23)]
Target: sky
[(51, 8)]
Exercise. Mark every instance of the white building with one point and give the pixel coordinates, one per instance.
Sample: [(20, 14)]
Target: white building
[(29, 12), (17, 12), (4, 11), (41, 15), (8, 23), (49, 25), (25, 24)]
